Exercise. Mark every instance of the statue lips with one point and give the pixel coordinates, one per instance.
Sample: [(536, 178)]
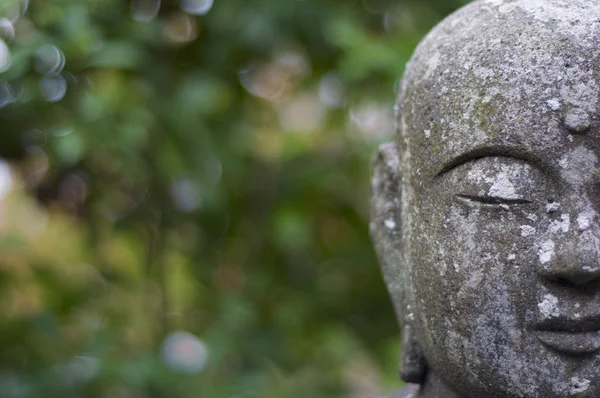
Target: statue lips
[(571, 336)]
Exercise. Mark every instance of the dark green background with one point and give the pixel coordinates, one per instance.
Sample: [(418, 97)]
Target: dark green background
[(206, 173)]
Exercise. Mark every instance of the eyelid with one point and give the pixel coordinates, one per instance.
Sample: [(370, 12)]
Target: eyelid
[(482, 153), (493, 200)]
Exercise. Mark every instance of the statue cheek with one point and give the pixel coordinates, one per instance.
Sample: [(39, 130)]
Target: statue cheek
[(471, 254), (472, 240)]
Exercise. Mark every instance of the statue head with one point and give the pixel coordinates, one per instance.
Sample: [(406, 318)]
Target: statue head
[(486, 207)]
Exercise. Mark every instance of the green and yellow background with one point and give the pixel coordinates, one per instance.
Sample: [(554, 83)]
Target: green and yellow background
[(184, 196)]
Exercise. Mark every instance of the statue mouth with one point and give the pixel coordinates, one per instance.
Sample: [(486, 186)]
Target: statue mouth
[(570, 336)]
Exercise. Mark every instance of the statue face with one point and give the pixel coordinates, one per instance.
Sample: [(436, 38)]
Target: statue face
[(500, 168)]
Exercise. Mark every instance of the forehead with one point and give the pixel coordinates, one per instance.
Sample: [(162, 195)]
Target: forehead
[(521, 79)]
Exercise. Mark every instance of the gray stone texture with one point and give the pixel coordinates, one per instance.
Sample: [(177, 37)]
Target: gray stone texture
[(486, 208)]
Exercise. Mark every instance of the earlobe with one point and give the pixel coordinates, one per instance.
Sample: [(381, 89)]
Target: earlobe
[(413, 366)]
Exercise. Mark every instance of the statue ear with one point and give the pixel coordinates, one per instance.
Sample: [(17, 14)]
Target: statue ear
[(386, 230), (386, 221)]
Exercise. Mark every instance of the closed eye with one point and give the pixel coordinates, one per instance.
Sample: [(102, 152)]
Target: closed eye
[(493, 200)]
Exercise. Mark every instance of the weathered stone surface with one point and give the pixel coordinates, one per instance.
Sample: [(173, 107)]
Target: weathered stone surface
[(485, 210)]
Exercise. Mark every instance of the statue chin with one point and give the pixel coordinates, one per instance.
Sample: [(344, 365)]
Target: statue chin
[(486, 209)]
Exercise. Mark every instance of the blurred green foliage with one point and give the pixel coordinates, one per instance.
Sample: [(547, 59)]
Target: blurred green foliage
[(199, 167)]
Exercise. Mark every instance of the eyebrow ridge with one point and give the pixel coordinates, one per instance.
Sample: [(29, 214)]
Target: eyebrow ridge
[(485, 152)]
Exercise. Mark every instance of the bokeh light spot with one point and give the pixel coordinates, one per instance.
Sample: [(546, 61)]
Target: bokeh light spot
[(303, 114), (332, 91), (373, 121), (185, 195), (6, 179), (197, 7), (183, 352), (53, 87), (5, 57), (144, 10), (6, 94), (7, 30), (180, 28), (49, 59)]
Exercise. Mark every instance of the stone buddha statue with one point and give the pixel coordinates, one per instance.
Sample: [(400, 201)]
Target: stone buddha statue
[(486, 207)]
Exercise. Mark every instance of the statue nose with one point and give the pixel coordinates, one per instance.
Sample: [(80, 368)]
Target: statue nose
[(577, 260)]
